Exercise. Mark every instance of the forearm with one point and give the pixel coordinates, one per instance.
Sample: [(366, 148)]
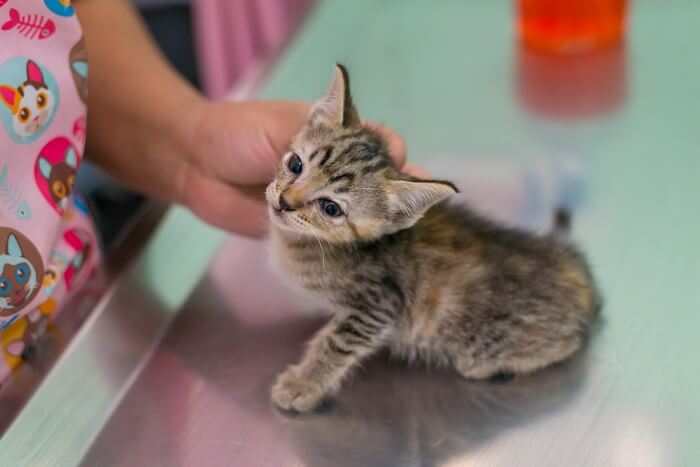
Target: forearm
[(138, 105)]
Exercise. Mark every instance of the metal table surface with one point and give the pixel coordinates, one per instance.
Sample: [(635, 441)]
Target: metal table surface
[(471, 104)]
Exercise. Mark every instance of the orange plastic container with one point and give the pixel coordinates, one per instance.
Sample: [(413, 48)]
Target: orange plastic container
[(571, 87), (570, 26)]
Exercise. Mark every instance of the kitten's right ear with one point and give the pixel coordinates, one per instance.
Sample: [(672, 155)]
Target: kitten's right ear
[(336, 107), (410, 199), (34, 73), (10, 97)]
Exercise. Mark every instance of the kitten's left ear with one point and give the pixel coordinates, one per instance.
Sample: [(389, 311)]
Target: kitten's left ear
[(410, 199), (336, 107)]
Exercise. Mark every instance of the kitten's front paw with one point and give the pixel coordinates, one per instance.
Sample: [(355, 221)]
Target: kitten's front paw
[(291, 392)]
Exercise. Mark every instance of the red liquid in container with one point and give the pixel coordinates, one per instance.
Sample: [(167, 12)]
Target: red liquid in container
[(570, 26)]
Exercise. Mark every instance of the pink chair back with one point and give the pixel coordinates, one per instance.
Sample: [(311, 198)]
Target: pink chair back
[(232, 35)]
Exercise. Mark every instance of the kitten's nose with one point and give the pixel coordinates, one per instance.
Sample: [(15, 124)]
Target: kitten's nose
[(284, 206)]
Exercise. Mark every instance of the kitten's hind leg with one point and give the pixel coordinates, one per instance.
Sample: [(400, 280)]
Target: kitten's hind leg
[(484, 370), (525, 361), (339, 346)]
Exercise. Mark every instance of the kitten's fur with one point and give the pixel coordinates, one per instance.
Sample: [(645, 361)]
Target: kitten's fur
[(402, 269)]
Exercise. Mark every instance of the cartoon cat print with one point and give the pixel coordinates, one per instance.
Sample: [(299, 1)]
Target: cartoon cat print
[(60, 177), (18, 278), (32, 103), (54, 272)]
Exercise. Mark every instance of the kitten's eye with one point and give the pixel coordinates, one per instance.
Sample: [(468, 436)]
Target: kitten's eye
[(59, 189), (330, 208), (41, 100), (5, 287), (294, 164), (22, 273), (24, 114)]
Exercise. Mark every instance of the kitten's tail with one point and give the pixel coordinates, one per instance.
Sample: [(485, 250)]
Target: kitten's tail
[(561, 228)]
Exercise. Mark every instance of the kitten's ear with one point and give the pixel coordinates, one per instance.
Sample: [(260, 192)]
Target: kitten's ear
[(13, 248), (44, 167), (34, 73), (9, 96), (71, 159), (410, 199), (336, 107), (80, 67)]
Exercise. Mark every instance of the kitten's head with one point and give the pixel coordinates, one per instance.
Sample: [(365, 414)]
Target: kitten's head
[(60, 176), (337, 182), (32, 103), (18, 278)]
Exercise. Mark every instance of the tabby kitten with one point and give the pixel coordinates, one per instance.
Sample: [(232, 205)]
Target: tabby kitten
[(401, 269)]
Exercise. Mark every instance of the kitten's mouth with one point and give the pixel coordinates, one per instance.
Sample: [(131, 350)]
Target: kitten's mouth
[(17, 300), (277, 214), (280, 219)]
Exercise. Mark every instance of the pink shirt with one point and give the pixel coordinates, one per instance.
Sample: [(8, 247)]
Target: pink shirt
[(48, 247)]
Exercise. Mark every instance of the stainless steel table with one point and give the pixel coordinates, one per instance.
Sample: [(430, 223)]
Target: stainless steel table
[(175, 368)]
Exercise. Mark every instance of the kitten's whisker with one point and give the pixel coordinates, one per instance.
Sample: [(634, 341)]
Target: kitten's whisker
[(323, 253)]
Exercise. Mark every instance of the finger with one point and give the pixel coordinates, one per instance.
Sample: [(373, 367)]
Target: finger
[(395, 143), (255, 192), (234, 211), (277, 122), (291, 115)]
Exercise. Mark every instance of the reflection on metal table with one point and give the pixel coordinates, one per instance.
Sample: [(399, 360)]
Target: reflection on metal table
[(476, 109)]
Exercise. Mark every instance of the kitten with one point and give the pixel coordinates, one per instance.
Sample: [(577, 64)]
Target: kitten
[(18, 279), (60, 177), (31, 103), (399, 268)]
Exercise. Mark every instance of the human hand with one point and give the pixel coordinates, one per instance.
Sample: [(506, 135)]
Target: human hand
[(233, 151)]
